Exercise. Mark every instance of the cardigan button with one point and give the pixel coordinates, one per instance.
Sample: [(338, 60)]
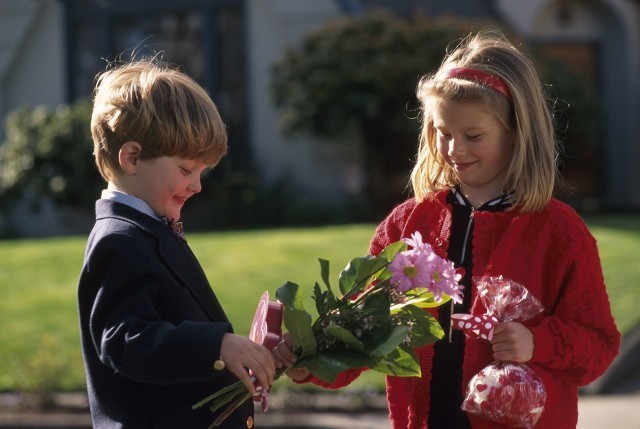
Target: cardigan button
[(249, 422), (218, 365), (439, 241)]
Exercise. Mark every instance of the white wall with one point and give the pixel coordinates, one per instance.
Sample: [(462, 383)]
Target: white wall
[(614, 24), (32, 59), (317, 167), (34, 72)]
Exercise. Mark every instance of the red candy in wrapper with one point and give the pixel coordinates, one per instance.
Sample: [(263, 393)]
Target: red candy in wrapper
[(507, 300), (505, 392)]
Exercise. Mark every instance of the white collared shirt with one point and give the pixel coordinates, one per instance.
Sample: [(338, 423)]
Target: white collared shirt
[(129, 200)]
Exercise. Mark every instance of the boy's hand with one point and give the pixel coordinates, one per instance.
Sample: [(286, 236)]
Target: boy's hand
[(512, 341), (240, 353)]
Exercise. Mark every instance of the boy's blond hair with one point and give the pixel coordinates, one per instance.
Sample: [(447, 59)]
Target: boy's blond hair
[(531, 175), (162, 109)]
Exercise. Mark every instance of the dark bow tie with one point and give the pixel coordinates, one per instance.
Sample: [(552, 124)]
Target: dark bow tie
[(176, 227)]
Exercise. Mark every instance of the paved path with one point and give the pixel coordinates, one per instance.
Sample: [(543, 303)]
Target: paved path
[(609, 412), (595, 412)]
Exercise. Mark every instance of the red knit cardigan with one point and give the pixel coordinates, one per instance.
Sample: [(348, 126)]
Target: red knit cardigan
[(554, 255)]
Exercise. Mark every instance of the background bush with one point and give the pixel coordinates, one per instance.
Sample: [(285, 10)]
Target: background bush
[(361, 74), (47, 153), (351, 74)]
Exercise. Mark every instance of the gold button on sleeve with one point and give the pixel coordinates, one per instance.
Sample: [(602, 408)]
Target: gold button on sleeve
[(218, 365)]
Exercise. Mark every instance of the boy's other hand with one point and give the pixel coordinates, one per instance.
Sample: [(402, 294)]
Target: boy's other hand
[(240, 353)]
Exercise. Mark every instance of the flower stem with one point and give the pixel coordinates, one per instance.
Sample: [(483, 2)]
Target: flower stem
[(230, 409)]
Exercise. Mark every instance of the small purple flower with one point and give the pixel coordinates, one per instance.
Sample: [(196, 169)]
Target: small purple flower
[(445, 280), (416, 242), (421, 267), (410, 270)]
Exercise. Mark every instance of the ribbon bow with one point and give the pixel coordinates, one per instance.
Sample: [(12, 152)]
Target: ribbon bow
[(176, 227), (480, 326)]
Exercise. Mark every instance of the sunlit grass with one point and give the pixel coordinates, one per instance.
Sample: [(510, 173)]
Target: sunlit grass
[(38, 281)]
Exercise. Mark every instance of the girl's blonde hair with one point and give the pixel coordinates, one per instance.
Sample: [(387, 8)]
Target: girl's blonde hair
[(532, 172), (160, 108)]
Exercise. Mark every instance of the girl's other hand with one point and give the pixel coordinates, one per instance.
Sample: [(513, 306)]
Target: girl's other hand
[(513, 342)]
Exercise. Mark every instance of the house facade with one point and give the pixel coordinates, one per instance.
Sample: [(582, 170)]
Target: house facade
[(51, 50)]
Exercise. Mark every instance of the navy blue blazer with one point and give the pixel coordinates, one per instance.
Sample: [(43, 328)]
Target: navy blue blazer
[(151, 327)]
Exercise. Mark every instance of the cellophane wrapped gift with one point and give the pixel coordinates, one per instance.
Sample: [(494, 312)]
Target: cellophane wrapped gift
[(506, 392)]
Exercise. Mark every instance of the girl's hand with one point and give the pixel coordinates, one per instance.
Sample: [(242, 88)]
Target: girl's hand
[(286, 358), (240, 353), (283, 352), (512, 341)]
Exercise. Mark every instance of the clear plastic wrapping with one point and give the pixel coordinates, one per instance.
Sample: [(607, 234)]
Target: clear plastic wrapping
[(505, 392)]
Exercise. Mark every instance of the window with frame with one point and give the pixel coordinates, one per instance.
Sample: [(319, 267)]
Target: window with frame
[(205, 38)]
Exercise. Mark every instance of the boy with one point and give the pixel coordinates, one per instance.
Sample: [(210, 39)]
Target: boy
[(155, 339)]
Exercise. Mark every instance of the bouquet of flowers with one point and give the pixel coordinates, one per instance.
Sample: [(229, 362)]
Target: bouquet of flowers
[(505, 392), (375, 322)]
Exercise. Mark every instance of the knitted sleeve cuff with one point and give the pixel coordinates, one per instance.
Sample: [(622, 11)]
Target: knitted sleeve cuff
[(544, 350)]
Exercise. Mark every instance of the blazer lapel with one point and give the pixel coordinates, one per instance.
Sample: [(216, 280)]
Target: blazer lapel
[(175, 254), (183, 263)]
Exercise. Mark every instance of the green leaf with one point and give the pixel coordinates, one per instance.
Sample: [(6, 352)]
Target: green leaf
[(320, 298), (296, 319), (357, 274), (402, 362), (345, 336), (426, 329), (389, 252), (324, 272), (377, 304), (395, 337), (423, 298), (327, 365), (289, 295)]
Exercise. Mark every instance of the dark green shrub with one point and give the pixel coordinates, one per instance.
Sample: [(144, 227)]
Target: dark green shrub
[(47, 153), (361, 73)]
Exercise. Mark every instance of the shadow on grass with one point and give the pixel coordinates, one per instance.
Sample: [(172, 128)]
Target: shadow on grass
[(629, 222)]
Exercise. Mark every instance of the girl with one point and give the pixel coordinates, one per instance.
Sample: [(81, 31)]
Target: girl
[(483, 184)]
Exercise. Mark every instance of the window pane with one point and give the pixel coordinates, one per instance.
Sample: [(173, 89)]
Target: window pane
[(177, 37)]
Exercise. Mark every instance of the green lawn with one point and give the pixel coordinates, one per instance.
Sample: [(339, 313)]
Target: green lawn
[(38, 318)]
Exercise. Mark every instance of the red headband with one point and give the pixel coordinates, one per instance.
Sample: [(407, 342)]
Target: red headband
[(481, 77)]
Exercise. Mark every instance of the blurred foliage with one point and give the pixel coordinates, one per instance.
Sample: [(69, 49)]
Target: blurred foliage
[(576, 108), (47, 152), (352, 74), (361, 73)]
